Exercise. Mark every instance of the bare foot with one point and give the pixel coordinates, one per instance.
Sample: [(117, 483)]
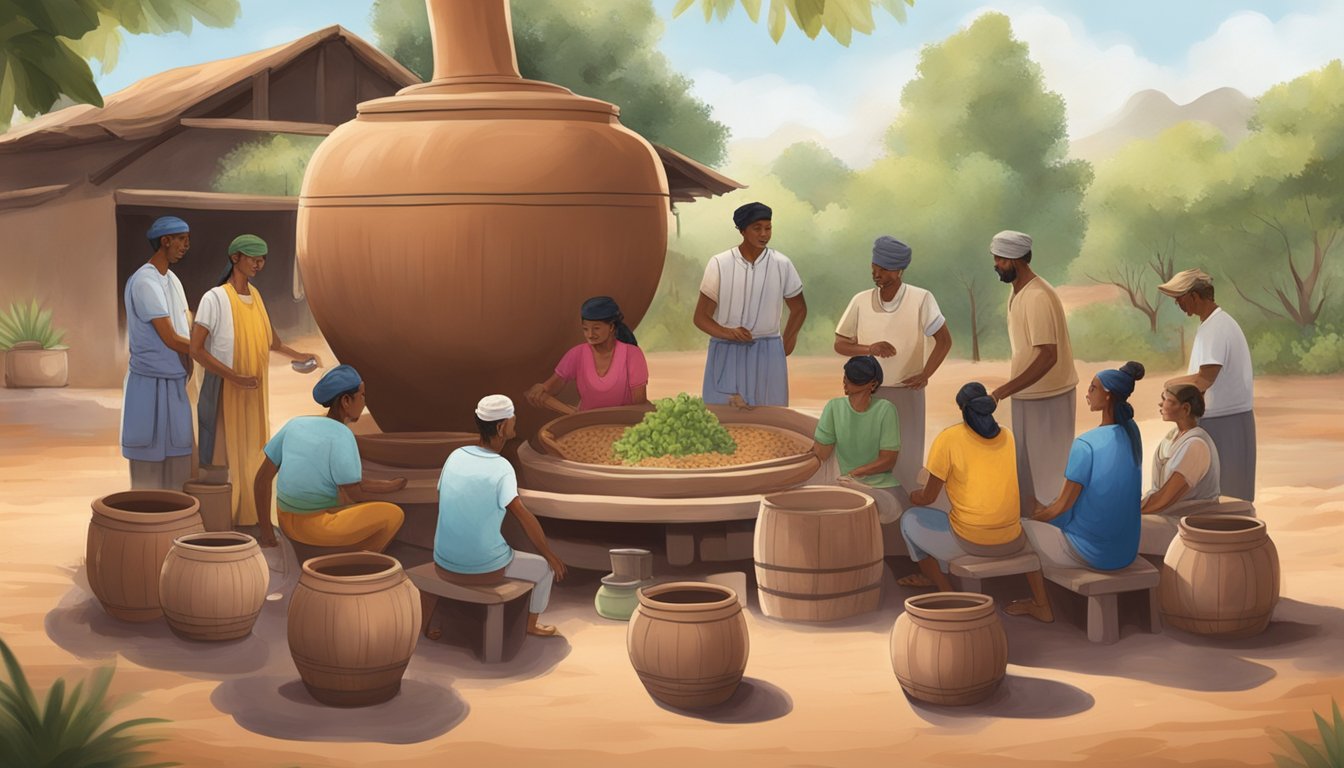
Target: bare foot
[(433, 634), (915, 580), (1028, 607), (543, 630)]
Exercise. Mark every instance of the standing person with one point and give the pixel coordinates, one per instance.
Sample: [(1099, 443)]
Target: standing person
[(323, 498), (156, 432), (1185, 464), (1042, 380), (742, 299), (893, 322), (476, 489), (1220, 365), (232, 339), (609, 369)]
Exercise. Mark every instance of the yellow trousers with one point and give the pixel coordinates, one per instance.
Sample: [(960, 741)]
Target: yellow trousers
[(369, 526)]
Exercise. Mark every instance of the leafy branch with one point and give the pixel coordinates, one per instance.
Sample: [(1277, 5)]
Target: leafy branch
[(840, 18)]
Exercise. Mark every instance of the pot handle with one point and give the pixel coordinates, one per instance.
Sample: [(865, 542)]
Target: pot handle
[(547, 439)]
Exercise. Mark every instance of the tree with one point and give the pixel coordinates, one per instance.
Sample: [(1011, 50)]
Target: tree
[(44, 45), (271, 166), (813, 173), (606, 49), (840, 18)]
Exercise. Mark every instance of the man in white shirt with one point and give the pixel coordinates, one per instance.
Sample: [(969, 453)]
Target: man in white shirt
[(742, 299), (893, 322), (1220, 365)]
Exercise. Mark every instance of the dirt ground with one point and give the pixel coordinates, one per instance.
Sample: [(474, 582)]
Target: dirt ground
[(812, 696)]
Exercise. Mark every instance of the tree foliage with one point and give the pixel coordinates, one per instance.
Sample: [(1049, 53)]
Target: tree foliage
[(813, 173), (270, 166), (840, 18)]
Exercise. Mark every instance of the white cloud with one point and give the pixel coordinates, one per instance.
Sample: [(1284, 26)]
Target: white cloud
[(758, 106)]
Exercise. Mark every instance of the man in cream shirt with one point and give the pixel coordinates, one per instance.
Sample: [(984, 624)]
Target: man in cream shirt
[(894, 322), (1042, 380)]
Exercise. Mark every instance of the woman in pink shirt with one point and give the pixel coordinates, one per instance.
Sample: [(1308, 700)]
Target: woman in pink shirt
[(609, 369)]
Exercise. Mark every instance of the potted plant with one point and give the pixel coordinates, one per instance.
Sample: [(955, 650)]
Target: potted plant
[(34, 356)]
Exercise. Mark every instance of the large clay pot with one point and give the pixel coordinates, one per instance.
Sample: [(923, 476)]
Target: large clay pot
[(688, 643), (1220, 576), (949, 648), (129, 536), (216, 501), (818, 554), (29, 365), (213, 585), (353, 623), (449, 234)]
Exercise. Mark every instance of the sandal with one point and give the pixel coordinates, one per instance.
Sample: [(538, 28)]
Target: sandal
[(915, 580)]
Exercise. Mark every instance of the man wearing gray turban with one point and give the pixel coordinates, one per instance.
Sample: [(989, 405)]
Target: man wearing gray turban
[(1042, 380), (894, 322), (742, 299)]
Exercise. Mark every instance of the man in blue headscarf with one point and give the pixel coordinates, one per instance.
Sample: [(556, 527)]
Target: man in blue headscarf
[(156, 430), (742, 299)]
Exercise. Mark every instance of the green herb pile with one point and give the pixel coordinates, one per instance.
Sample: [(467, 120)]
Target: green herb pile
[(678, 426)]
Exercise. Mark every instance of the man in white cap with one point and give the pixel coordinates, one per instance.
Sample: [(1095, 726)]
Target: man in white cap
[(1042, 380), (1220, 365), (477, 487)]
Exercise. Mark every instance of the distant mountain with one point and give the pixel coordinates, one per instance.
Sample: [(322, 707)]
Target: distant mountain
[(1148, 113)]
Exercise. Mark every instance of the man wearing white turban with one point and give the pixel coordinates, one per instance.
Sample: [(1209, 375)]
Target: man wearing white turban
[(1042, 380)]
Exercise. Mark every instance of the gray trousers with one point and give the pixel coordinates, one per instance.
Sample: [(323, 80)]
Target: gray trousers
[(1043, 435), (910, 412), (534, 568), (168, 474), (1234, 437)]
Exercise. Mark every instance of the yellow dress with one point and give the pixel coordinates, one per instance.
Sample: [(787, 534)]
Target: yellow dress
[(246, 412)]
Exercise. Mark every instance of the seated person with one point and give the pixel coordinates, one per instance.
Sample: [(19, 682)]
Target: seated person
[(609, 369), (864, 433), (978, 462), (477, 487), (322, 497), (1094, 523), (1185, 464)]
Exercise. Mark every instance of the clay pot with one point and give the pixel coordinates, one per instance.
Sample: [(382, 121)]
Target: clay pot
[(818, 554), (216, 500), (632, 564), (466, 220), (688, 643), (1220, 576), (129, 536), (353, 623), (29, 365), (412, 450), (949, 648), (213, 585)]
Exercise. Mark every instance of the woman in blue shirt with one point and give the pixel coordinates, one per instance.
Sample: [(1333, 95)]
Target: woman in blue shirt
[(1094, 523)]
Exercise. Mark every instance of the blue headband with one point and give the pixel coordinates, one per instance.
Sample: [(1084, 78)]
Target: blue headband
[(1117, 382), (167, 225), (336, 382), (890, 253)]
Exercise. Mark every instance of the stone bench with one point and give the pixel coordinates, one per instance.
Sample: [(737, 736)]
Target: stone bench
[(497, 611), (971, 571), (1158, 531), (1102, 588)]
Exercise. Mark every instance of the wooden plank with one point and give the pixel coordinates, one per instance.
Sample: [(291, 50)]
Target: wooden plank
[(25, 198), (257, 126), (320, 84), (204, 201)]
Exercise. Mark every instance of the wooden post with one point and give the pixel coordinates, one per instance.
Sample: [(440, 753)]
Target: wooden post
[(261, 95), (320, 87)]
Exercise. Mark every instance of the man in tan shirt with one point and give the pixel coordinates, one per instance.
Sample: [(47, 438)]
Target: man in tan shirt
[(1042, 380)]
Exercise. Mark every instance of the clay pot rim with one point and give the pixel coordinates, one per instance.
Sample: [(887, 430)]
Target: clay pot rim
[(489, 97), (814, 490), (245, 542), (311, 565), (1252, 527), (648, 596), (977, 607), (106, 505)]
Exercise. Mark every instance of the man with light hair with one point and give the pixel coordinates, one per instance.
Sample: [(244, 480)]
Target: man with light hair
[(1220, 366), (1042, 380)]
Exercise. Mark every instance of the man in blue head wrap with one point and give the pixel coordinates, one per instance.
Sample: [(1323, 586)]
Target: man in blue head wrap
[(742, 298), (156, 430), (894, 322), (323, 498)]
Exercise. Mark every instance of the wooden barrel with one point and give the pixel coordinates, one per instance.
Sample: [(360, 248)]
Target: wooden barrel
[(213, 585), (216, 503), (818, 553), (353, 624), (1220, 576), (949, 648), (129, 536), (688, 643)]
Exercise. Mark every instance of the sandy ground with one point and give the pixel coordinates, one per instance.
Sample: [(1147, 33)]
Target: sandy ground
[(812, 695)]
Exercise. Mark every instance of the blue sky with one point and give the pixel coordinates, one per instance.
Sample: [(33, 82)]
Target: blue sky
[(1095, 53)]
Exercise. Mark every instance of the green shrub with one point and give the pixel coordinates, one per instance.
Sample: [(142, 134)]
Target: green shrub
[(1331, 752), (678, 426), (28, 323), (1322, 353), (65, 732), (1101, 332), (1267, 354)]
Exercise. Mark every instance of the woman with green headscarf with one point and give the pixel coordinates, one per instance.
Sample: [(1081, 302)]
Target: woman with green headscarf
[(232, 340)]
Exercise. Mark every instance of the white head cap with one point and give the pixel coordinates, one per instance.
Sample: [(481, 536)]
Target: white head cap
[(1009, 244), (494, 408)]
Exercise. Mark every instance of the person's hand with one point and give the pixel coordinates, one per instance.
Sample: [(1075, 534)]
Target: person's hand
[(739, 334), (556, 565), (789, 343), (310, 356), (736, 401), (245, 382), (1038, 512), (396, 484), (881, 349), (918, 381), (999, 395), (267, 539), (534, 394)]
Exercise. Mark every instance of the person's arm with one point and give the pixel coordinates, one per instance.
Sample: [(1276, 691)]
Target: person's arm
[(537, 394), (884, 462), (1170, 492), (279, 346), (1046, 356), (261, 493), (942, 344), (1203, 379), (535, 535), (925, 496), (851, 348), (704, 320), (201, 354), (639, 395), (369, 490), (797, 313), (1067, 497), (164, 327), (822, 451)]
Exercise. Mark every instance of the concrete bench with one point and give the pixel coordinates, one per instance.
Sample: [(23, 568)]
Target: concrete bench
[(1101, 589), (1158, 531), (497, 612), (971, 571)]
